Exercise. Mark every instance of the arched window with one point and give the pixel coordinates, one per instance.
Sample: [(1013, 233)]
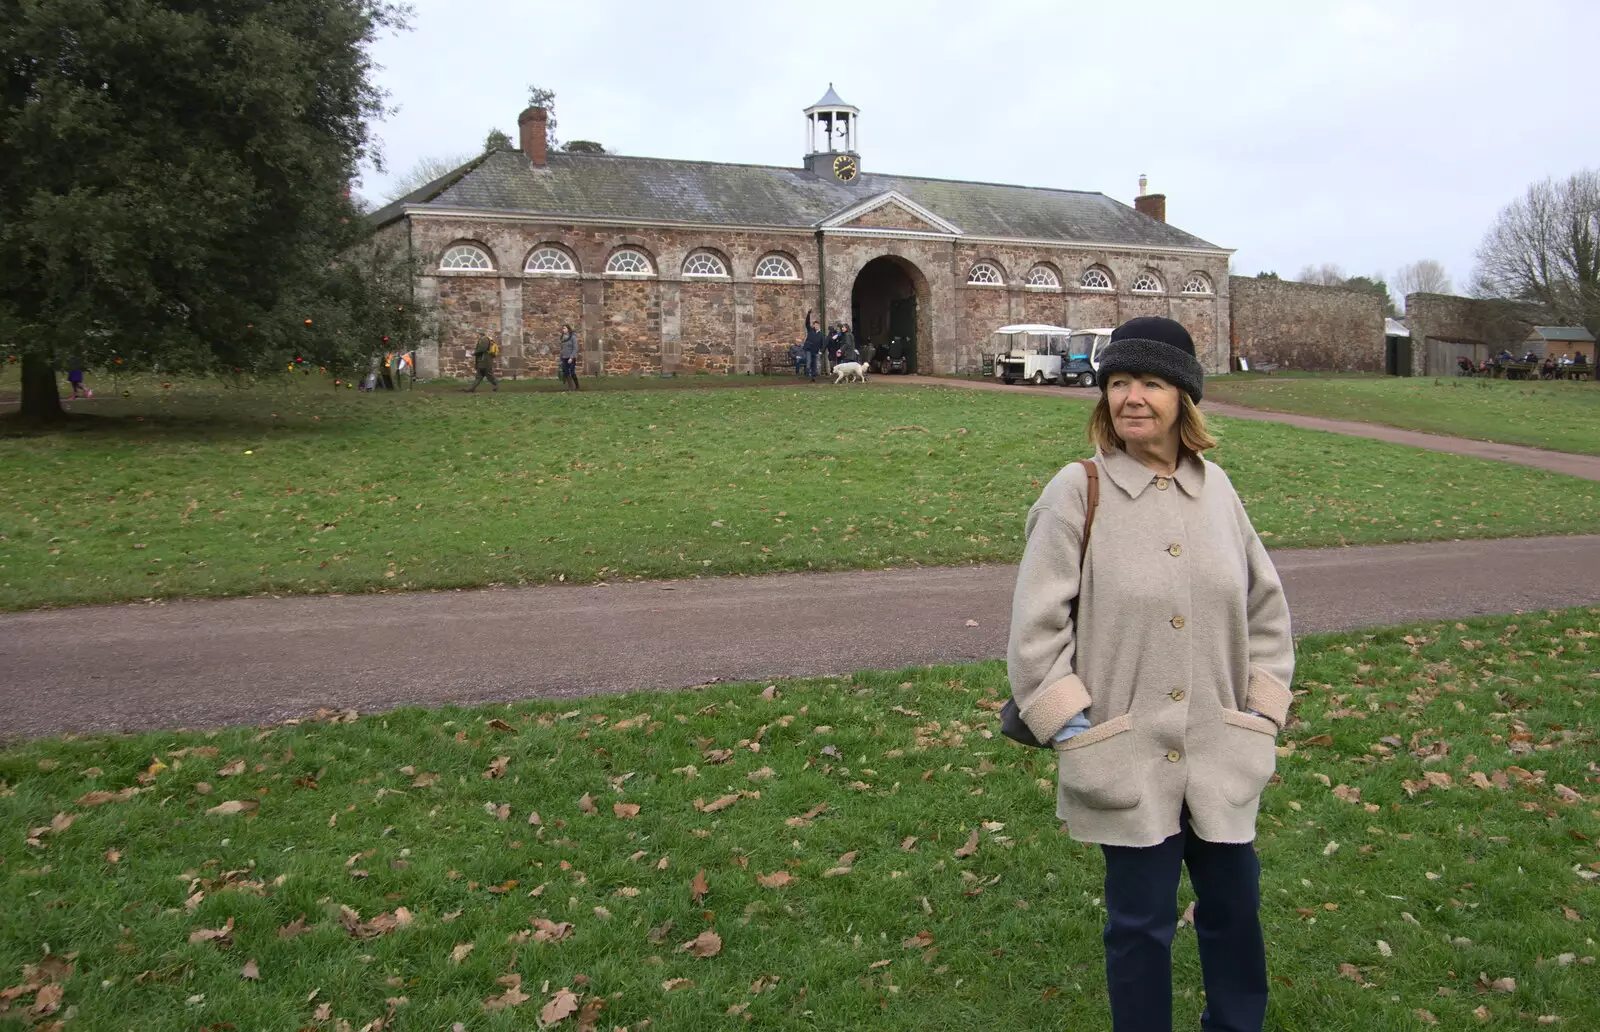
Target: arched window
[(1146, 283), (776, 267), (1042, 277), (1197, 284), (466, 256), (628, 262), (550, 261), (1095, 278), (705, 265), (986, 274)]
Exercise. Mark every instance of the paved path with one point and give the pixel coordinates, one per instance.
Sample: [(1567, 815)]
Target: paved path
[(198, 664), (1586, 466)]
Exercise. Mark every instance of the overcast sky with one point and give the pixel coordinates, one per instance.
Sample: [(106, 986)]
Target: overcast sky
[(1367, 134)]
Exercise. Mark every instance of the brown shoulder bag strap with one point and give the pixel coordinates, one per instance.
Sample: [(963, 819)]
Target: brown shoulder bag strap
[(1093, 470)]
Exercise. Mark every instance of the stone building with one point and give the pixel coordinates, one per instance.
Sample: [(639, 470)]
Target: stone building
[(682, 266)]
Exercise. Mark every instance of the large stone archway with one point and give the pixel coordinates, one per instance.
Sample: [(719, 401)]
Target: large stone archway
[(891, 309)]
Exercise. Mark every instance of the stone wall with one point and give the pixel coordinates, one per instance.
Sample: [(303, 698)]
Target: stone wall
[(891, 216), (1462, 325), (1302, 326), (667, 322)]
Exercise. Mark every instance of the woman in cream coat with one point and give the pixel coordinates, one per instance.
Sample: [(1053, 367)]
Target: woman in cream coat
[(1165, 695)]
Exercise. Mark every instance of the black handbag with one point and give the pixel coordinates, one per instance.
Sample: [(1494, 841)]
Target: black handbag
[(1011, 722)]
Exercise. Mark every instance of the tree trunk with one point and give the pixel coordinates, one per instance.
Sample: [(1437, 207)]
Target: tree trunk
[(41, 400)]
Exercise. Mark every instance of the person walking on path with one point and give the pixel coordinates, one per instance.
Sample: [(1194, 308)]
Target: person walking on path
[(813, 345), (569, 356), (847, 345), (1164, 688), (483, 359), (75, 377)]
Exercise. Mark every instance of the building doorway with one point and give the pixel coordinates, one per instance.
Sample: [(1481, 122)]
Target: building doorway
[(883, 312)]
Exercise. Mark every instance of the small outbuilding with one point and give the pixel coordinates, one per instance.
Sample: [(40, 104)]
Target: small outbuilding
[(1558, 341)]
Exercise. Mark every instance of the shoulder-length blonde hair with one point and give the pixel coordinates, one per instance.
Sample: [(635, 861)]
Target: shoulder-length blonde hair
[(1193, 436)]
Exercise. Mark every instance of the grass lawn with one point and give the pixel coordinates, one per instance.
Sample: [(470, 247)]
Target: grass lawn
[(211, 492), (1559, 415), (864, 852)]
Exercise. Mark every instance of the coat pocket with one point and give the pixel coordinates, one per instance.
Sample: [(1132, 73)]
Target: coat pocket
[(1098, 768), (1249, 756)]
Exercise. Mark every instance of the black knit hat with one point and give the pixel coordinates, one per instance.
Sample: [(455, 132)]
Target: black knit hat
[(1152, 344)]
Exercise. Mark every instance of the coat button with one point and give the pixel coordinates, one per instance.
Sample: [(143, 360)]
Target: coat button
[(1177, 694), (1173, 756), (1175, 549), (1162, 483), (1177, 622)]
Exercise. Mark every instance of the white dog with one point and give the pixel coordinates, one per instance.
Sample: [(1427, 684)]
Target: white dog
[(857, 370)]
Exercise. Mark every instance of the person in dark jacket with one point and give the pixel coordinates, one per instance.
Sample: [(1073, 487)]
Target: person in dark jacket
[(814, 343), (569, 356), (847, 345), (483, 359)]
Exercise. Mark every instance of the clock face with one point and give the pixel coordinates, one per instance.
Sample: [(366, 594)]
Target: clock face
[(844, 167)]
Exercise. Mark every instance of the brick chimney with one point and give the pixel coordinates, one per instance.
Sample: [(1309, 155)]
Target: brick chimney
[(1153, 205), (532, 123)]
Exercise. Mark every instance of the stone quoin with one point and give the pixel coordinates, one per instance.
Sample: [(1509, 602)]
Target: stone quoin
[(670, 266)]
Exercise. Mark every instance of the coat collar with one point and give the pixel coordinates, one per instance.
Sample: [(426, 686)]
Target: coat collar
[(1133, 476)]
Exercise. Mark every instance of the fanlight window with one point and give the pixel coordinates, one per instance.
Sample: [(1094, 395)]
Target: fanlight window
[(1096, 279), (985, 274), (629, 263), (704, 263), (465, 256), (1196, 284), (551, 261), (1044, 277), (1146, 283), (776, 266)]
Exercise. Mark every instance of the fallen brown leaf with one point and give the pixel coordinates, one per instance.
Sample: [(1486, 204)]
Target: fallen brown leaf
[(217, 935), (775, 880), (970, 848), (512, 997), (677, 983), (550, 931), (461, 950), (296, 927), (236, 767), (101, 798), (250, 972), (707, 944), (560, 1007), (233, 806), (497, 767), (586, 804), (716, 804), (626, 811), (698, 887)]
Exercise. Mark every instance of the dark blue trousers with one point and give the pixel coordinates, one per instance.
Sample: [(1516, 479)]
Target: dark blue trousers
[(1142, 917)]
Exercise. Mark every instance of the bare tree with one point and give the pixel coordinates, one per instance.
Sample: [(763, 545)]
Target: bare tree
[(425, 171), (1325, 275), (1545, 248), (1425, 276)]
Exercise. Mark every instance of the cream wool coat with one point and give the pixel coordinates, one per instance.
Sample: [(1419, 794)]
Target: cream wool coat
[(1182, 627)]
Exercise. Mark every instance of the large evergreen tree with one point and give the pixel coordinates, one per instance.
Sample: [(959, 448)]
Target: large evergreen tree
[(174, 177)]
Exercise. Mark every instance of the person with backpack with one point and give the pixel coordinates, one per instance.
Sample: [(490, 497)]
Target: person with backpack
[(813, 346), (569, 356), (483, 357), (1151, 649), (847, 345)]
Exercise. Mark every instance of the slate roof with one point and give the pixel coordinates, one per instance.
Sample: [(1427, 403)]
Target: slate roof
[(1572, 333), (602, 186)]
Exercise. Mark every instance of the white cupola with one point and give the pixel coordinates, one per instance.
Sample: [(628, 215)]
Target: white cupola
[(831, 138)]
